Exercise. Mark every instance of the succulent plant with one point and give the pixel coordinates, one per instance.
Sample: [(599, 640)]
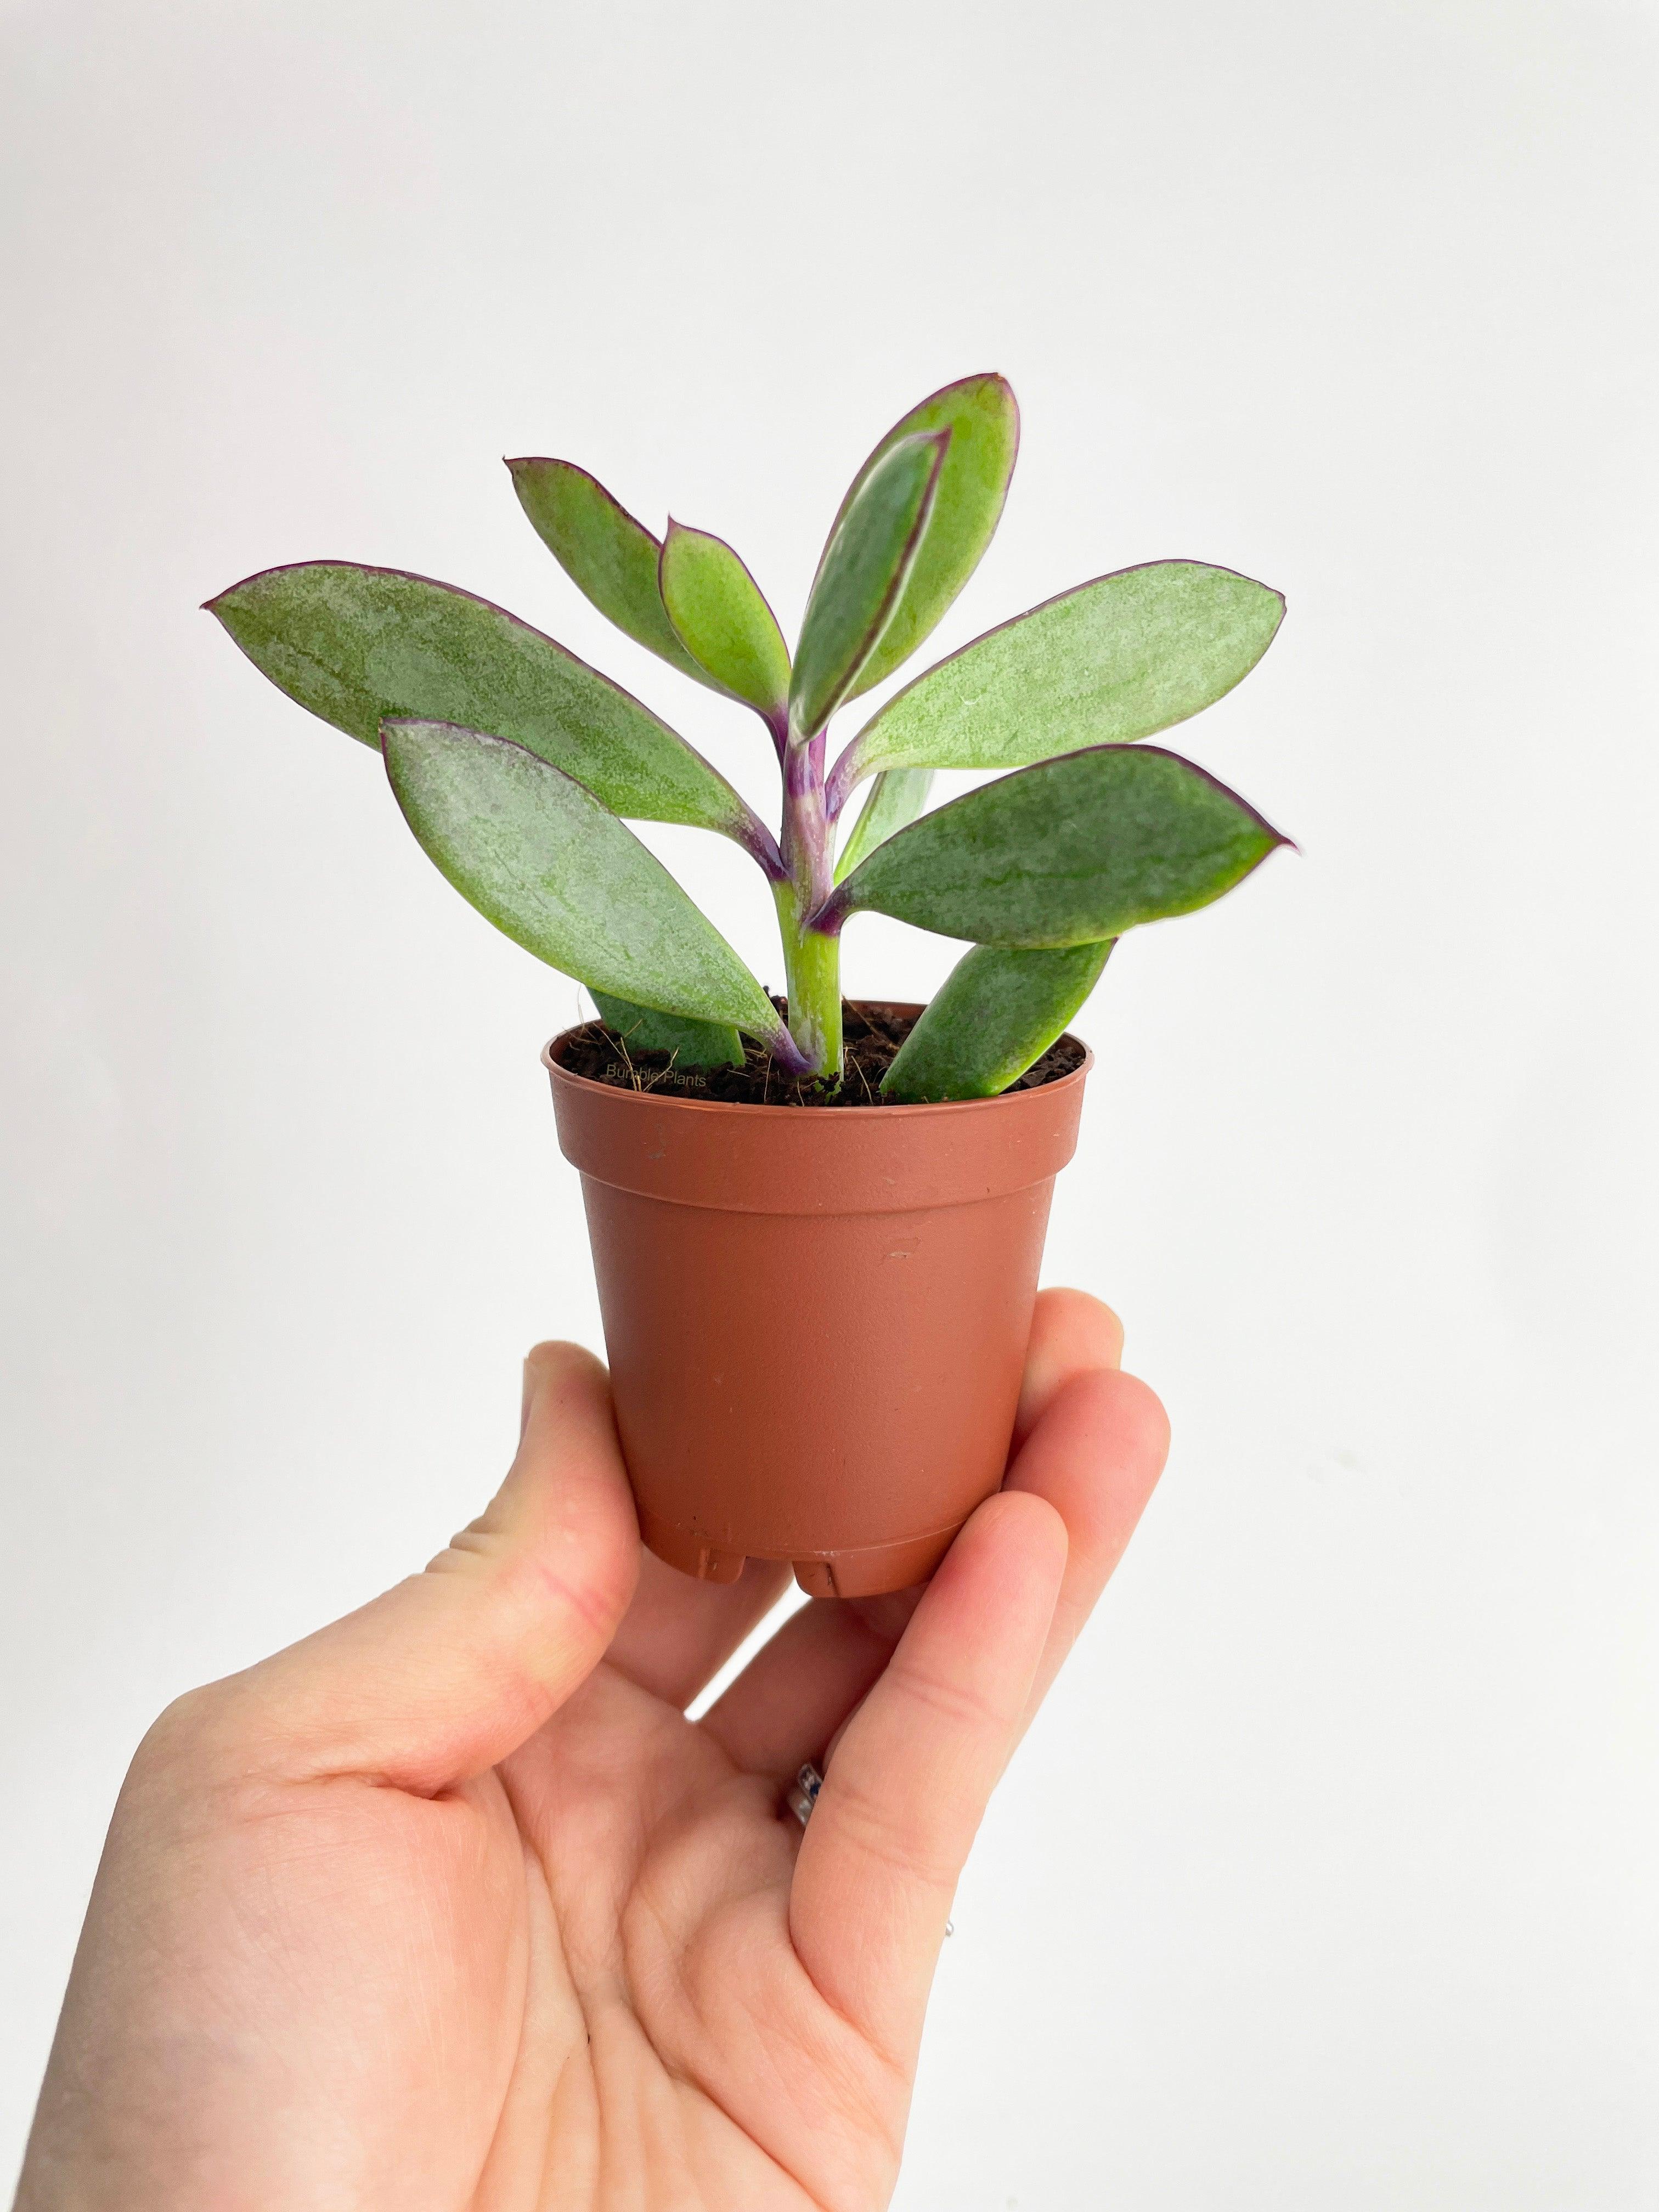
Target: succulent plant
[(518, 767)]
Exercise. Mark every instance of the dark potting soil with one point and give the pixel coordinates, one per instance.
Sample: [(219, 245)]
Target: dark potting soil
[(872, 1035)]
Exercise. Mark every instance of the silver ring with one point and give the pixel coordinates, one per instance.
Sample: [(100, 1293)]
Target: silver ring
[(803, 1793)]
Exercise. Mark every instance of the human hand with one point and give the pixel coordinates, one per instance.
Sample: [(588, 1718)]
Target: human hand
[(450, 1907)]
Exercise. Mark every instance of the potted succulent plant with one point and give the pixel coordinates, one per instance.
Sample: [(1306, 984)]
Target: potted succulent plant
[(815, 1318)]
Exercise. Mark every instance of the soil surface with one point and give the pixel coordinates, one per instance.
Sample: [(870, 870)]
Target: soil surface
[(872, 1033)]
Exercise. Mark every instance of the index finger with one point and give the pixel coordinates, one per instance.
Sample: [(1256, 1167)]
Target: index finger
[(915, 1770)]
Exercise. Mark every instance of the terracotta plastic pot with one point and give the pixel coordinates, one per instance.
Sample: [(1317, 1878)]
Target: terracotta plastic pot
[(816, 1320)]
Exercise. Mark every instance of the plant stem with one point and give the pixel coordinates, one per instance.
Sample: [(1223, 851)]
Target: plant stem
[(813, 967), (812, 958)]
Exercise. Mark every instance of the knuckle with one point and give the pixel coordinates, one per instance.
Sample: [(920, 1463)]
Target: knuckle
[(481, 1540), (181, 1730), (868, 1825), (963, 1706), (195, 1745)]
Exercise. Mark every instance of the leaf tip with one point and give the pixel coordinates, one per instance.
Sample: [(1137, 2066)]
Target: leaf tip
[(397, 725), (391, 726), (978, 379), (521, 466), (217, 604), (674, 532)]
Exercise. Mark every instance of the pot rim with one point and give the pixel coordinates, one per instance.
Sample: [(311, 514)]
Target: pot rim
[(559, 1071)]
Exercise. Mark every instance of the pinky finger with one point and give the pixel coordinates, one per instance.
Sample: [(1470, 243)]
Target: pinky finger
[(915, 1770)]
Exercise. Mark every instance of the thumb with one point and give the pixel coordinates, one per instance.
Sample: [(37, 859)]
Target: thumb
[(447, 1673)]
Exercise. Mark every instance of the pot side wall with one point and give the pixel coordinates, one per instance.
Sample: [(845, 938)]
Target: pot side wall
[(815, 1322)]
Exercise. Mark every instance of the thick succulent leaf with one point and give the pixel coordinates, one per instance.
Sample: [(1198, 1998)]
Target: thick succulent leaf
[(608, 556), (1067, 853), (895, 800), (725, 623), (997, 1013), (693, 1045), (537, 855), (1109, 663), (979, 413), (359, 646), (865, 566)]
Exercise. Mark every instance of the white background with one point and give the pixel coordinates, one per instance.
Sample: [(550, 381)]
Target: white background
[(1329, 1879)]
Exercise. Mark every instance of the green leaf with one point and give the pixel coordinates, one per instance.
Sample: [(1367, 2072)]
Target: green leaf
[(896, 799), (716, 606), (983, 420), (997, 1013), (1109, 663), (693, 1045), (865, 565), (359, 646), (608, 556), (537, 855), (1067, 853)]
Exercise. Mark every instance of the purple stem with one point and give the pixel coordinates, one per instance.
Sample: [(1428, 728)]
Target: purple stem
[(807, 841), (786, 1053), (827, 918)]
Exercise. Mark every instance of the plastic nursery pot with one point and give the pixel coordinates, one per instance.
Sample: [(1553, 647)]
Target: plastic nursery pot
[(816, 1319)]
